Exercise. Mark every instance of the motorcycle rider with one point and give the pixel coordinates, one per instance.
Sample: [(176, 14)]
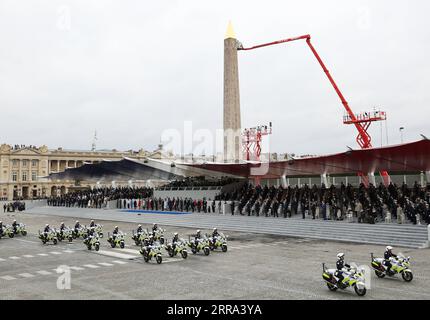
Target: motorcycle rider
[(198, 236), (341, 267), (387, 255), (77, 226), (139, 229), (115, 232), (62, 228), (175, 240), (92, 224), (154, 229), (46, 230), (14, 226), (1, 228)]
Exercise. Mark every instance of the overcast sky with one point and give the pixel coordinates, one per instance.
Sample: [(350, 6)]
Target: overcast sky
[(130, 69)]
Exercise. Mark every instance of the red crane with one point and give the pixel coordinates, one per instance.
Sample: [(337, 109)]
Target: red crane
[(361, 122)]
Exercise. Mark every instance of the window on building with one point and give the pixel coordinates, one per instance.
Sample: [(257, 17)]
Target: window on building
[(14, 176), (24, 163), (24, 176), (33, 163), (33, 175), (15, 162)]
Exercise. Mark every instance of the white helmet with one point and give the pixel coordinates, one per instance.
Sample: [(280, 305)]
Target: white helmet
[(139, 225), (388, 248), (340, 255), (175, 234)]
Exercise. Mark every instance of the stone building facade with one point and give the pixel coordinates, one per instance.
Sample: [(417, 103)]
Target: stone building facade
[(24, 170)]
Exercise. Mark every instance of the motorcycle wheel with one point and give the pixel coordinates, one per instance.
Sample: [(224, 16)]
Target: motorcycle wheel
[(206, 251), (360, 292), (97, 247), (161, 240), (212, 248), (224, 248), (101, 234), (193, 250), (55, 241), (137, 242), (43, 241), (379, 274), (112, 244), (407, 276), (70, 239), (11, 235), (24, 233), (146, 258), (122, 245), (89, 247), (171, 253), (184, 254), (159, 259), (331, 287)]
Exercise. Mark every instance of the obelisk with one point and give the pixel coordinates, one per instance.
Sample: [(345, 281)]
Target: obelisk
[(232, 127)]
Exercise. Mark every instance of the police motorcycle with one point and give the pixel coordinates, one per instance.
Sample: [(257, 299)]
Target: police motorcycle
[(80, 232), (20, 229), (219, 241), (64, 234), (180, 248), (151, 251), (354, 277), (99, 230), (401, 265), (8, 231), (92, 241), (139, 238), (159, 235), (118, 241), (49, 236), (198, 245)]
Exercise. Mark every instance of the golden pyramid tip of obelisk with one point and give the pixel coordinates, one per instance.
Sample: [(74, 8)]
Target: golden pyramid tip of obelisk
[(230, 32)]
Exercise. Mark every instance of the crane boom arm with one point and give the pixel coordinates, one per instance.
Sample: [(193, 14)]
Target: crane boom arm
[(364, 140)]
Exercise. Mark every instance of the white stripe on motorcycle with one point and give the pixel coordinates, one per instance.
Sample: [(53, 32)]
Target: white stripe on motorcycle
[(116, 254)]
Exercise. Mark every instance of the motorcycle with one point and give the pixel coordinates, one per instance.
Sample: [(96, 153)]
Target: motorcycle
[(401, 265), (118, 241), (8, 231), (149, 252), (219, 241), (180, 248), (20, 229), (99, 230), (80, 233), (353, 278), (92, 241), (159, 235), (66, 233), (50, 236), (200, 244), (140, 238)]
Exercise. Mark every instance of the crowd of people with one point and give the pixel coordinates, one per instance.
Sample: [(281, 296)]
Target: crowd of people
[(366, 205), (169, 204), (98, 197), (14, 206), (200, 181)]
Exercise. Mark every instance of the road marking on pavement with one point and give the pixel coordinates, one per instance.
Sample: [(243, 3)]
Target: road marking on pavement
[(134, 251), (105, 264), (116, 254), (27, 241), (28, 256), (77, 268), (55, 252), (2, 259), (14, 258), (26, 275), (91, 266), (44, 272), (68, 251), (42, 254), (119, 262), (8, 278)]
